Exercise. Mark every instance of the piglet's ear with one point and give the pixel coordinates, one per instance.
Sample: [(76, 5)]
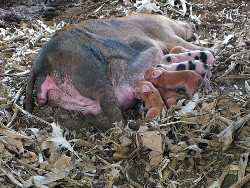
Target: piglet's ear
[(175, 59), (145, 89), (156, 73)]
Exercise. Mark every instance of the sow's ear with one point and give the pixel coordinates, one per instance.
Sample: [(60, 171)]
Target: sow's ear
[(187, 26), (145, 89), (190, 26), (156, 73)]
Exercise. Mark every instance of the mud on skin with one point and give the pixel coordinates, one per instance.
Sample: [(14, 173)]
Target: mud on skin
[(93, 67)]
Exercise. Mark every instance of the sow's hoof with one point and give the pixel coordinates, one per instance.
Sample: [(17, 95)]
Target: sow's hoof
[(99, 121)]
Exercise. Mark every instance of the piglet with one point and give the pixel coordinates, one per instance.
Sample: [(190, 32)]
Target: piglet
[(174, 79), (204, 56), (169, 97), (151, 97), (202, 69), (178, 49)]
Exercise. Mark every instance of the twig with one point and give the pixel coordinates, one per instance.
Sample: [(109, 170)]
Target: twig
[(242, 165), (21, 74), (33, 168), (46, 172), (224, 120), (30, 115), (231, 77), (219, 181), (230, 68), (134, 184), (11, 177), (242, 182), (14, 100), (226, 136), (172, 123)]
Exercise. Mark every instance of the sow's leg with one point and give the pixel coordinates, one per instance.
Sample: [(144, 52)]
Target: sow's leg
[(111, 112), (91, 80)]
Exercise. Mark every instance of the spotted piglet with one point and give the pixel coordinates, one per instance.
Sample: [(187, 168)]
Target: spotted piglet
[(202, 69), (203, 56), (151, 97)]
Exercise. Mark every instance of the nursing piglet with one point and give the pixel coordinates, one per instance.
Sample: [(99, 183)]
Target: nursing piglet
[(178, 49), (204, 56), (151, 97), (202, 69), (174, 79), (169, 97)]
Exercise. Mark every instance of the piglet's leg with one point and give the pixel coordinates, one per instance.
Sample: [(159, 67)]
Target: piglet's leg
[(209, 74), (206, 79), (171, 101), (206, 86), (153, 112), (190, 86)]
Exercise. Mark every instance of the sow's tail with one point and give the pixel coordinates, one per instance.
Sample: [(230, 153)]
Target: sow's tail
[(29, 91)]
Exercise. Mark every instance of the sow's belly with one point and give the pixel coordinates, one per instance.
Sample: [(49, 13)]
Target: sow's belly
[(67, 97)]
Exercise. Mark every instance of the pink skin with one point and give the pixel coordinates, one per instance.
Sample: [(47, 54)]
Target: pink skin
[(207, 58), (126, 101), (54, 94), (199, 68)]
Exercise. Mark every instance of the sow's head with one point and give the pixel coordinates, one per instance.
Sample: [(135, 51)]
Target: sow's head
[(188, 30)]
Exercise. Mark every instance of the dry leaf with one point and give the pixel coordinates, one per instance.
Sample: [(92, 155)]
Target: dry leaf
[(235, 108), (152, 140), (12, 134), (63, 163), (14, 144), (155, 158)]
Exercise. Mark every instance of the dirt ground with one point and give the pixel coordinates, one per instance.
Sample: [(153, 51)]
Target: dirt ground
[(205, 146)]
